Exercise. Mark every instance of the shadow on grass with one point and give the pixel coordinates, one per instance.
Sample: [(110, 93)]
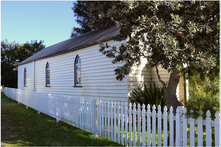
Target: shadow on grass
[(24, 127)]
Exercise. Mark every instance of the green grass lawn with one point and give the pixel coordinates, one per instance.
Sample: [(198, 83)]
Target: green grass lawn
[(25, 127)]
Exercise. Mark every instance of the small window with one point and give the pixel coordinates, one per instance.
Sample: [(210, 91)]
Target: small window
[(77, 71), (25, 76), (47, 72)]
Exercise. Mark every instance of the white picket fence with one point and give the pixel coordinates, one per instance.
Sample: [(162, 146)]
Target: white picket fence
[(126, 124)]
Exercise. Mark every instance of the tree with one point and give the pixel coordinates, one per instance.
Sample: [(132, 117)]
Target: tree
[(11, 55), (84, 18), (179, 36)]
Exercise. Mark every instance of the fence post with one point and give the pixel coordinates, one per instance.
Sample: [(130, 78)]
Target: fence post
[(134, 124), (143, 126), (102, 118), (217, 137), (108, 107), (130, 124), (95, 116), (184, 127), (99, 117), (171, 127), (118, 125), (122, 124), (81, 106), (105, 118), (138, 126), (112, 119), (178, 129), (208, 128), (159, 125), (85, 114), (148, 126), (115, 140), (153, 125), (77, 111), (192, 131), (126, 124), (165, 126), (200, 131)]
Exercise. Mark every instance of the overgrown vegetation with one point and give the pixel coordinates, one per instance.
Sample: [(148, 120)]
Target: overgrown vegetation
[(203, 95), (25, 127), (150, 94)]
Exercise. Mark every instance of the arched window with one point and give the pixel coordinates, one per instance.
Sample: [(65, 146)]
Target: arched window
[(47, 74), (25, 76), (77, 71)]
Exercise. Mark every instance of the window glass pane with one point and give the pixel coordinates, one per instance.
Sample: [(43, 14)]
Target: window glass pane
[(78, 71), (25, 77), (47, 74)]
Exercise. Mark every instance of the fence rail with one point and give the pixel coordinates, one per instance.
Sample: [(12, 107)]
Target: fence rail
[(126, 124)]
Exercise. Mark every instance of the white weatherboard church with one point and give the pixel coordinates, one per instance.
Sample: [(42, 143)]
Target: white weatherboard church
[(75, 67)]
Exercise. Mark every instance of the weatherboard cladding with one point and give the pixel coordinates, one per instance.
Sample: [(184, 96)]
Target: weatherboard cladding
[(29, 81), (82, 41), (98, 78), (97, 73)]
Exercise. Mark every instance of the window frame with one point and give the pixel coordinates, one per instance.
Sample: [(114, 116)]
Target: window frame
[(25, 77), (47, 75), (75, 72)]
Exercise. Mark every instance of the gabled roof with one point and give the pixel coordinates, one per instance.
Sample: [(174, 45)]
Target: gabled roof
[(85, 40)]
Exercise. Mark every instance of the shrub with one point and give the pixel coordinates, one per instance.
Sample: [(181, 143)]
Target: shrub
[(203, 96), (148, 95)]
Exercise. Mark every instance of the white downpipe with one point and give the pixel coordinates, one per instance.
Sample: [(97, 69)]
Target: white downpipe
[(33, 76), (187, 83), (177, 92), (187, 87)]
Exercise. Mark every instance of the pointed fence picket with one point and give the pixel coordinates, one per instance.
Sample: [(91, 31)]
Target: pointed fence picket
[(159, 126), (165, 128), (138, 126), (130, 124), (143, 126), (134, 124), (154, 125), (112, 130), (184, 128), (118, 120), (148, 126), (127, 124), (122, 124)]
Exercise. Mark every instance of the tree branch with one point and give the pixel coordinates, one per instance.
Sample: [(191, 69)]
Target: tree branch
[(164, 85)]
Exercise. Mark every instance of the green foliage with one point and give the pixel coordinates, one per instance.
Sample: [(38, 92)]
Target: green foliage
[(179, 36), (169, 33), (11, 55), (203, 96), (84, 18), (152, 95)]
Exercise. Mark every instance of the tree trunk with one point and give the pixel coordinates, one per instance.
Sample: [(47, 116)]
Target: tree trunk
[(170, 93), (171, 98)]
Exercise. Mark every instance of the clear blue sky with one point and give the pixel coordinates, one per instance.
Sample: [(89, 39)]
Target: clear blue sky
[(51, 21)]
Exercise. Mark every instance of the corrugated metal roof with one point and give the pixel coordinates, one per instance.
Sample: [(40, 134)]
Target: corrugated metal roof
[(85, 40)]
